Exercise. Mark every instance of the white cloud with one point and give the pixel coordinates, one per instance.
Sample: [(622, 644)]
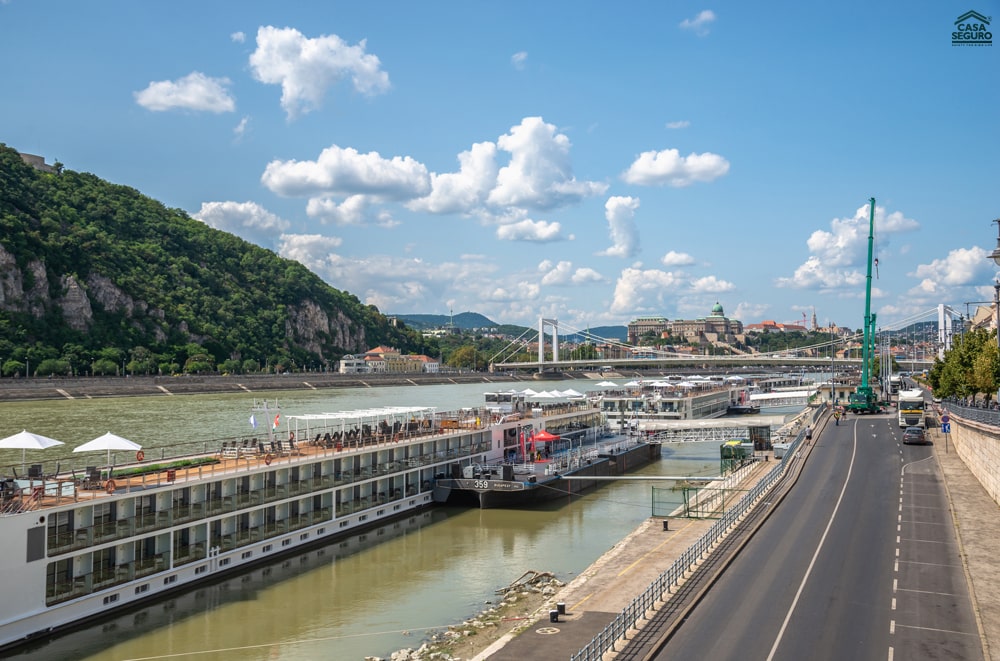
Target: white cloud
[(346, 171), (815, 274), (530, 230), (539, 175), (247, 220), (839, 257), (195, 91), (462, 191), (745, 311), (586, 275), (680, 124), (673, 258), (238, 37), (711, 284), (641, 290), (306, 68), (354, 210), (563, 273), (558, 274), (314, 251), (518, 59), (240, 129), (699, 24), (963, 266), (653, 168), (620, 213)]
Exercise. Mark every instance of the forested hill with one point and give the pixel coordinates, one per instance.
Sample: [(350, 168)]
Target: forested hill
[(94, 275)]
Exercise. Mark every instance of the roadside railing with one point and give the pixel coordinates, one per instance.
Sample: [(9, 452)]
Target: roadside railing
[(671, 578), (974, 413)]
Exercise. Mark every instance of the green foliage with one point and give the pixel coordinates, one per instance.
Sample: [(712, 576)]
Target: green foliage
[(181, 283), (970, 367)]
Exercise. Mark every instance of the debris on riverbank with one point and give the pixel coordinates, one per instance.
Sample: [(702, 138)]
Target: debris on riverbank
[(519, 608)]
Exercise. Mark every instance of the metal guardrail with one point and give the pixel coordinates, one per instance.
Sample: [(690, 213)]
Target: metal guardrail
[(974, 413), (671, 578)]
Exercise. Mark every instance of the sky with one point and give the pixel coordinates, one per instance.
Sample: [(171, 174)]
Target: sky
[(584, 162)]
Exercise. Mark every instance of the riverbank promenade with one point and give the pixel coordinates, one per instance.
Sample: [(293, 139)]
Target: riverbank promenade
[(599, 594)]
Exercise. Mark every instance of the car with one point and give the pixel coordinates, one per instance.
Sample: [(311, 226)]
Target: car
[(914, 435)]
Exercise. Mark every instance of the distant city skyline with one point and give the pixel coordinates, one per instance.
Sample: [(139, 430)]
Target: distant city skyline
[(585, 162)]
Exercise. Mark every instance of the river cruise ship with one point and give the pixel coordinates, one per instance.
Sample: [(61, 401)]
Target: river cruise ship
[(82, 545), (538, 464), (669, 399)]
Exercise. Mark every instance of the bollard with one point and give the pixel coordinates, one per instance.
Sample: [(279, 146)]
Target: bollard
[(561, 607), (553, 616), (666, 525)]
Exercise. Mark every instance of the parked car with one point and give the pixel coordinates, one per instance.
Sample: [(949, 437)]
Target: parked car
[(914, 435)]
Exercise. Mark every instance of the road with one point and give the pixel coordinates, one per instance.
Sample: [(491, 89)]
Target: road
[(859, 561)]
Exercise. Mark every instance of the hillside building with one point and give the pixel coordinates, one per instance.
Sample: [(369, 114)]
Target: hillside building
[(386, 360)]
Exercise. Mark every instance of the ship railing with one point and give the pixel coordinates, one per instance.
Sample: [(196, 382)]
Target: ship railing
[(231, 502), (71, 482)]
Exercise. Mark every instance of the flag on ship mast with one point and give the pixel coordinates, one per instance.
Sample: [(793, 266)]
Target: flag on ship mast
[(276, 417), (253, 421)]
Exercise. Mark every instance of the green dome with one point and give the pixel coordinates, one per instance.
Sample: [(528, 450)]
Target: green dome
[(717, 311)]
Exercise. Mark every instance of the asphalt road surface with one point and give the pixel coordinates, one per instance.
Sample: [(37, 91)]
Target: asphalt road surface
[(859, 561)]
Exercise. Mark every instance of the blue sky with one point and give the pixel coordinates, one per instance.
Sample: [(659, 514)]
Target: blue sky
[(584, 161)]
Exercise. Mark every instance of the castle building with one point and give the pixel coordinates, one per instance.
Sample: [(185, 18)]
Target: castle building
[(714, 328), (640, 326)]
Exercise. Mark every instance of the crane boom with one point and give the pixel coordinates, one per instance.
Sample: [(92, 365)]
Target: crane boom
[(863, 399)]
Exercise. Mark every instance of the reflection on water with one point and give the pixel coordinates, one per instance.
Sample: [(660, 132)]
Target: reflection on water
[(369, 594)]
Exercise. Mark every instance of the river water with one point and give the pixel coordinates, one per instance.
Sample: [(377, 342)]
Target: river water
[(369, 594)]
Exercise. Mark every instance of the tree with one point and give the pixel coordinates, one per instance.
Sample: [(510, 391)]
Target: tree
[(463, 358), (54, 367)]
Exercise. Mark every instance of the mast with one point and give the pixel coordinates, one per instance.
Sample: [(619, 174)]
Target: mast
[(866, 350)]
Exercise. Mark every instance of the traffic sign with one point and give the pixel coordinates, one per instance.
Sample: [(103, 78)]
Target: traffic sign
[(945, 419), (945, 427)]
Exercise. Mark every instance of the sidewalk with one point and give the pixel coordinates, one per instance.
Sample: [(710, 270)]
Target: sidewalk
[(596, 597), (977, 523)]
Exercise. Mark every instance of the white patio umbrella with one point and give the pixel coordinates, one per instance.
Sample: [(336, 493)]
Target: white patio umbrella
[(27, 440), (108, 442), (608, 384)]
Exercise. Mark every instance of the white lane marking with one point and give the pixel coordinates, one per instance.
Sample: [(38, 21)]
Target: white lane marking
[(819, 547)]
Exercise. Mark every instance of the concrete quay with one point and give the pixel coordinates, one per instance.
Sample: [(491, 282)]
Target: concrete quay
[(596, 597)]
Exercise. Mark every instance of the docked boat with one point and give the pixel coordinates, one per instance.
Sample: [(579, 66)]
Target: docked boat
[(82, 545), (668, 400), (548, 457)]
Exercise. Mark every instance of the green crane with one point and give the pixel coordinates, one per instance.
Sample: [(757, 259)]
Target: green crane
[(863, 399)]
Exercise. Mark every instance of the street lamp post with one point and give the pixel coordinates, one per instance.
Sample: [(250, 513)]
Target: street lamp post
[(995, 256), (833, 371)]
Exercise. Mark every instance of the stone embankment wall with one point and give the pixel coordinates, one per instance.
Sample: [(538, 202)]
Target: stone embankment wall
[(979, 447)]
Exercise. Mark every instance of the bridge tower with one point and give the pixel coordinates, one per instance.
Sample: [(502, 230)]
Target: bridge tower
[(554, 324), (945, 314)]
